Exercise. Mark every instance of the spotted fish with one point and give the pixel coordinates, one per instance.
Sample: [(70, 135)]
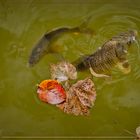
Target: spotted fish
[(112, 53)]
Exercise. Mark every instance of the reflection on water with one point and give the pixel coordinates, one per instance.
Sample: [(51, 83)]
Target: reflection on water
[(21, 25)]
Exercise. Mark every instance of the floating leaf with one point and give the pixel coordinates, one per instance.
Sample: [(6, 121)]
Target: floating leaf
[(52, 92), (80, 98), (63, 71)]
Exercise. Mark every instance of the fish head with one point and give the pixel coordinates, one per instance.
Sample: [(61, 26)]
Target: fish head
[(40, 49), (132, 36), (35, 56)]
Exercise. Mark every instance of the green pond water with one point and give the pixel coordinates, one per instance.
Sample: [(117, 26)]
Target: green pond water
[(117, 108)]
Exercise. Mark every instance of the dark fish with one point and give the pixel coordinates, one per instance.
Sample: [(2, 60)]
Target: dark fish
[(44, 44), (112, 53)]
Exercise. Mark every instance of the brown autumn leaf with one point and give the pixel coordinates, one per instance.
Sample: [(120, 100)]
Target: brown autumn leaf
[(80, 98)]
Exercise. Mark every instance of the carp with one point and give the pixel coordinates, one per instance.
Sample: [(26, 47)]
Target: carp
[(43, 46)]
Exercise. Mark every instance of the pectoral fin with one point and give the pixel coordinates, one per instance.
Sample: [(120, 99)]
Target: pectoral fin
[(98, 75), (124, 67)]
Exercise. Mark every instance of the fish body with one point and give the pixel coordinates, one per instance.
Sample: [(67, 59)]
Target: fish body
[(112, 53), (44, 44)]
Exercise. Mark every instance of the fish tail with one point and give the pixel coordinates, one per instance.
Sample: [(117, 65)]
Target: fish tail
[(86, 22), (83, 27)]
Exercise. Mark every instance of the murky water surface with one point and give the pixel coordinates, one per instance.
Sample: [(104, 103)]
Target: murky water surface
[(22, 23)]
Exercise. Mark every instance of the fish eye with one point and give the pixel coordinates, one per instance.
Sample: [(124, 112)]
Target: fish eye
[(133, 38), (129, 41)]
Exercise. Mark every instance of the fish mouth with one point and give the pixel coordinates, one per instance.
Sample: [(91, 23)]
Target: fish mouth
[(134, 34)]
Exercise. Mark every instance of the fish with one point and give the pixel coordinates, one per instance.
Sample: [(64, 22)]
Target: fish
[(43, 46), (112, 53)]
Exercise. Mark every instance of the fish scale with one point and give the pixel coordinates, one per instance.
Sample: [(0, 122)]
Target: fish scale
[(105, 59), (110, 54)]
